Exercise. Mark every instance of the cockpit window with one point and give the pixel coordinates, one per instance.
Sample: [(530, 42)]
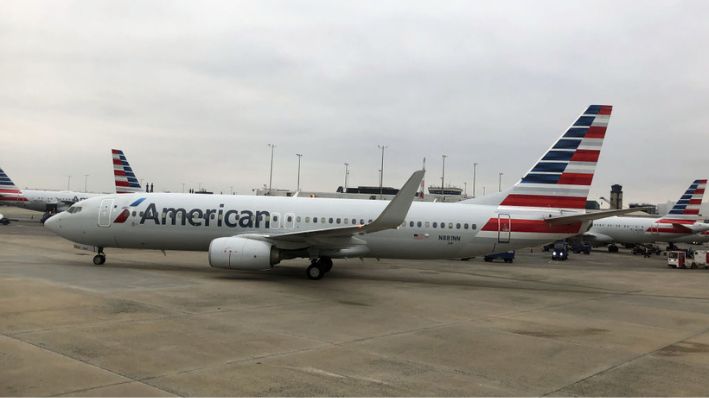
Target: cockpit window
[(74, 209)]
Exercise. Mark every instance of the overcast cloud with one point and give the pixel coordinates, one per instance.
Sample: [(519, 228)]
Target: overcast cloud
[(194, 91)]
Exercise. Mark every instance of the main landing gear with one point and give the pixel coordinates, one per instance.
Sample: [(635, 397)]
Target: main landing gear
[(100, 258), (319, 267)]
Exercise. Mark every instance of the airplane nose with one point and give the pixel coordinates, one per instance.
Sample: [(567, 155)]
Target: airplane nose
[(53, 223)]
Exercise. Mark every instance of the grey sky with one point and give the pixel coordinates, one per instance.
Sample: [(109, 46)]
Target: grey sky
[(194, 91)]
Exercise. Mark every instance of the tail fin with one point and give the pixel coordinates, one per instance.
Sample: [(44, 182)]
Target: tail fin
[(9, 192), (687, 207), (126, 182), (562, 177)]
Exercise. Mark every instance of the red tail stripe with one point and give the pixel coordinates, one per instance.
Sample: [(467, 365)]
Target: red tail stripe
[(576, 179), (10, 191), (606, 110), (122, 184), (585, 155), (695, 201), (115, 151), (119, 173), (567, 202), (536, 226), (596, 132), (117, 161), (691, 211), (699, 190)]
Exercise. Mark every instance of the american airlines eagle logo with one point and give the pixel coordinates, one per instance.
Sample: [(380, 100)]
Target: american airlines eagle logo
[(125, 213)]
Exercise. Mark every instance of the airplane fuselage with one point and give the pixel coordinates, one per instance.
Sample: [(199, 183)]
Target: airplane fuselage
[(635, 230), (40, 200), (173, 221)]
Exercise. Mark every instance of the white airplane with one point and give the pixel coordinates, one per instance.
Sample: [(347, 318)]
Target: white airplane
[(37, 200), (682, 221), (125, 179), (257, 232)]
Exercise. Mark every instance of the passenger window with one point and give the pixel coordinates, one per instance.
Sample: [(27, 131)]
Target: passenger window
[(133, 213), (330, 220), (370, 221), (435, 225), (465, 225), (457, 226), (473, 226), (345, 220), (418, 224), (315, 220), (289, 218), (322, 220), (361, 221), (450, 225), (307, 220), (275, 218), (354, 221), (411, 224), (427, 224), (297, 219), (338, 220)]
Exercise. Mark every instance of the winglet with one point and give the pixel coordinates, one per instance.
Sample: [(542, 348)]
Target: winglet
[(395, 212)]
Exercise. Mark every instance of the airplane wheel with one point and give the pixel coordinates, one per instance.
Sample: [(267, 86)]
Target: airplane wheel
[(99, 259), (314, 272)]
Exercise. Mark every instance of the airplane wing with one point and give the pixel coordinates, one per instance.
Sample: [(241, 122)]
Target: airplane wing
[(391, 217), (574, 218)]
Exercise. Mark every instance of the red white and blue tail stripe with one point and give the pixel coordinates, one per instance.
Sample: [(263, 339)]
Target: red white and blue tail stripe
[(686, 210), (562, 178), (9, 192), (126, 182)]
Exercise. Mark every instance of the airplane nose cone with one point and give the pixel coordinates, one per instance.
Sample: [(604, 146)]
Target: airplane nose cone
[(52, 223)]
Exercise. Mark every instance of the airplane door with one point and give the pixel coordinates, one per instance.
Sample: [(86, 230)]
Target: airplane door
[(504, 228), (104, 213)]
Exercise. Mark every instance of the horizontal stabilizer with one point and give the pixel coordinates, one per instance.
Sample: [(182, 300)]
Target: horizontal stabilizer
[(574, 218), (692, 228)]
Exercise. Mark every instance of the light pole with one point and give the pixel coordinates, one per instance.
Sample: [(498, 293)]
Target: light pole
[(347, 173), (381, 171), (499, 188), (86, 180), (299, 155), (270, 174), (443, 175), (475, 172), (68, 183)]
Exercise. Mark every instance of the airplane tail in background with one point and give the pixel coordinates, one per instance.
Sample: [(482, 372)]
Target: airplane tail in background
[(126, 182), (562, 178), (686, 210), (9, 192)]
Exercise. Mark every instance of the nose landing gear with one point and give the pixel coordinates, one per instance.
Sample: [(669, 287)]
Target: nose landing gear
[(100, 258), (319, 267)]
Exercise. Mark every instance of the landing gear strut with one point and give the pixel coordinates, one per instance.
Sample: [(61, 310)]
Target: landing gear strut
[(319, 267), (100, 258)]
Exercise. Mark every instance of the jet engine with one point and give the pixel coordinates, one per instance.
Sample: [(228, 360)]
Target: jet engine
[(242, 253)]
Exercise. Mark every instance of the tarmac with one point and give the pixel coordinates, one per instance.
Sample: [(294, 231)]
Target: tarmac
[(148, 324)]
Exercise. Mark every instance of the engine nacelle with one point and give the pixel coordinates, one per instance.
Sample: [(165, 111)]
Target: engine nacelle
[(242, 253)]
